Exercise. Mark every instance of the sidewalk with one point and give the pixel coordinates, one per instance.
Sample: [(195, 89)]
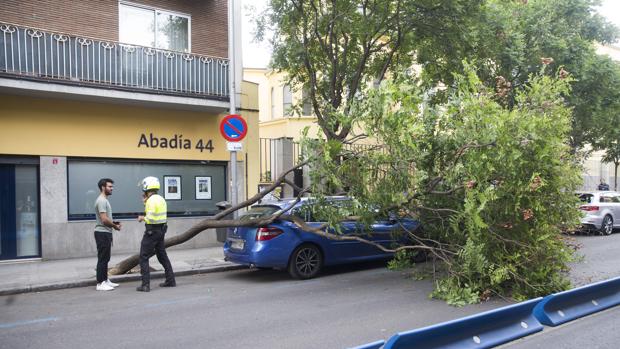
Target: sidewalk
[(35, 276)]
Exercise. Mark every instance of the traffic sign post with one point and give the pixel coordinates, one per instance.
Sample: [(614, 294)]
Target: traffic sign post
[(233, 128)]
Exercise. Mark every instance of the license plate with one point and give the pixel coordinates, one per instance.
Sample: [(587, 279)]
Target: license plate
[(237, 244)]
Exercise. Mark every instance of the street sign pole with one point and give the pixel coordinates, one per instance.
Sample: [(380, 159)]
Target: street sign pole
[(233, 95), (234, 129)]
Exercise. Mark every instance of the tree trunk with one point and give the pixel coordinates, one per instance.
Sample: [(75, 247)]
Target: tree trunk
[(215, 222)]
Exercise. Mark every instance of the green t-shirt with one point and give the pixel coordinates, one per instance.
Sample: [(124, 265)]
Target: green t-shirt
[(102, 205)]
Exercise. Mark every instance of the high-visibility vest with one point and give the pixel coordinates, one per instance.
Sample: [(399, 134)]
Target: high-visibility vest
[(155, 210)]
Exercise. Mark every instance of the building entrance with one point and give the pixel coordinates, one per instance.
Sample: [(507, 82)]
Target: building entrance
[(19, 211)]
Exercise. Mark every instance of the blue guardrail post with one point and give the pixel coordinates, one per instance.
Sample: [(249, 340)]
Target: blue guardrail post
[(484, 330), (562, 307)]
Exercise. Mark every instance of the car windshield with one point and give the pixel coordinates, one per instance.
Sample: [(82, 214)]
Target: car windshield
[(258, 212), (587, 198)]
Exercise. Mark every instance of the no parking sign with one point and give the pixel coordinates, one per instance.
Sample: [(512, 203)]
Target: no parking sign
[(233, 128)]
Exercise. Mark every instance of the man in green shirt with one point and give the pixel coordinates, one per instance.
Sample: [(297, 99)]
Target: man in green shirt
[(103, 233)]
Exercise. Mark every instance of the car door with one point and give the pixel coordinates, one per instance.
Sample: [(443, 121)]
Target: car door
[(608, 206), (383, 233)]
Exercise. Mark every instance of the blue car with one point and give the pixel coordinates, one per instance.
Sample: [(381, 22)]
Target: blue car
[(283, 245)]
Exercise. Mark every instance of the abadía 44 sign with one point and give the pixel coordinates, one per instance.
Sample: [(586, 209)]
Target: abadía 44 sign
[(175, 142)]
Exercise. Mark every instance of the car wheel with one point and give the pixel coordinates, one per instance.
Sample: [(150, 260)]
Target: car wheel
[(608, 225), (306, 262)]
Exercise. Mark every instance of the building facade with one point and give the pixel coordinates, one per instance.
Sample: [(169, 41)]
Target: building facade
[(595, 170), (117, 89), (280, 127)]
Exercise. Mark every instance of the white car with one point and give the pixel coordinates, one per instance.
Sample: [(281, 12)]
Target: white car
[(602, 211)]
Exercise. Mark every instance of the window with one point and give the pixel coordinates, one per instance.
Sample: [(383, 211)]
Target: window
[(155, 28), (256, 212), (273, 103), (126, 199), (587, 198), (307, 103), (287, 97)]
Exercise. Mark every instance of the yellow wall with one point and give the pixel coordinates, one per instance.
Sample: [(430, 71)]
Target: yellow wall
[(36, 126), (45, 126), (289, 127)]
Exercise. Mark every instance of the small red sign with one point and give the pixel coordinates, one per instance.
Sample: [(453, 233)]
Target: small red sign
[(54, 161), (233, 128)]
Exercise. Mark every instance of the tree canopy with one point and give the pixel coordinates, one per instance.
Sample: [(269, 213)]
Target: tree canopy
[(336, 49), (510, 39), (493, 186)]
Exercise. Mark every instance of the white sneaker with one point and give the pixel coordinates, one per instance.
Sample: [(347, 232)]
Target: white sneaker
[(104, 287), (110, 283)]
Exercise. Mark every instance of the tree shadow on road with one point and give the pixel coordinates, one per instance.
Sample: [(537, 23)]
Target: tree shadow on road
[(272, 275)]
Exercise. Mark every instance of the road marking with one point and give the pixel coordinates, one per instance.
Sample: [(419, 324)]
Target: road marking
[(29, 322)]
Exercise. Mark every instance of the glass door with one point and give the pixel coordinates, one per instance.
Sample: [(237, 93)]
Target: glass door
[(19, 212)]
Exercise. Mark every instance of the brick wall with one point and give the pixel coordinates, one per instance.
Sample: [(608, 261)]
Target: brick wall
[(99, 19)]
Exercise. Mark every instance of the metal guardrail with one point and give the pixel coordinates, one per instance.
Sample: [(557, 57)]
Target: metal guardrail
[(38, 54)]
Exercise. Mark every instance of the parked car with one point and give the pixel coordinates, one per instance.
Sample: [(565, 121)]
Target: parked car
[(284, 245), (602, 211)]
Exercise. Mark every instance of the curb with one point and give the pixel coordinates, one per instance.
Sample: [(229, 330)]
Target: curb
[(116, 278)]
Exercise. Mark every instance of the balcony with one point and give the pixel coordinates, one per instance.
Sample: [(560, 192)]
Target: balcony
[(41, 56)]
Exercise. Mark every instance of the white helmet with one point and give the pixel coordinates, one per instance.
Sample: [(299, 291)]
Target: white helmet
[(150, 183)]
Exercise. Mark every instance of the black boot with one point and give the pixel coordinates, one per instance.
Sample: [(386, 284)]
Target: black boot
[(168, 284), (143, 288)]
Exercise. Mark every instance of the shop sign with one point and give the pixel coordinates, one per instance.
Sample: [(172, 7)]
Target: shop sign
[(175, 142)]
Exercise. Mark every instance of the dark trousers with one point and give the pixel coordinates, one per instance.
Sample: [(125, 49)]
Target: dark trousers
[(153, 243), (104, 246)]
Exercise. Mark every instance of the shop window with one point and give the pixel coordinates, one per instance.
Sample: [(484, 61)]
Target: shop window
[(154, 28), (191, 189)]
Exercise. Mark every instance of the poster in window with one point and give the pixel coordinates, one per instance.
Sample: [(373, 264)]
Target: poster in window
[(172, 187), (203, 188)]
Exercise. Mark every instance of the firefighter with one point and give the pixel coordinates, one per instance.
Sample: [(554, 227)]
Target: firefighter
[(155, 219)]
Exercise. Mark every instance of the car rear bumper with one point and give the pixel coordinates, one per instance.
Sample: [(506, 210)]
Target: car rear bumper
[(592, 222), (259, 255)]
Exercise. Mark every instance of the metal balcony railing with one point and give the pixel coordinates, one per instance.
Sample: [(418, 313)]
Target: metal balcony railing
[(38, 54)]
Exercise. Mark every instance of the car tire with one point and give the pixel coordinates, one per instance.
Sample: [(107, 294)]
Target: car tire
[(608, 225), (305, 262)]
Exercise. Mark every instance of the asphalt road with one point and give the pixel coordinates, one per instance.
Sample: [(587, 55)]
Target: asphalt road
[(597, 331), (345, 307), (247, 308), (600, 259)]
